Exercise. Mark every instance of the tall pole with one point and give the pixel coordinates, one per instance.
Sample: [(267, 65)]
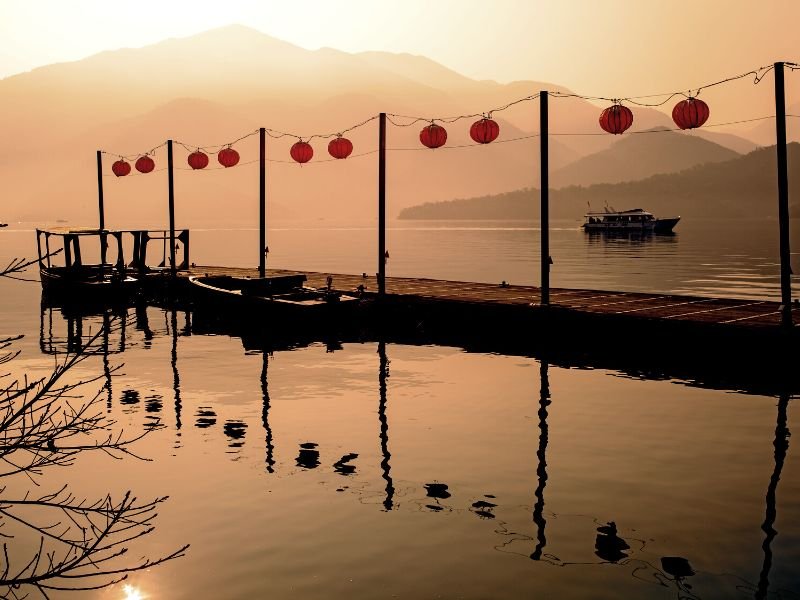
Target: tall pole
[(262, 203), (382, 204), (101, 208), (783, 197), (171, 180), (545, 198)]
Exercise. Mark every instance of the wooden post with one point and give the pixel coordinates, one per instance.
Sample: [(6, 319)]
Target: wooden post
[(545, 198), (783, 198), (171, 183), (382, 204), (262, 206)]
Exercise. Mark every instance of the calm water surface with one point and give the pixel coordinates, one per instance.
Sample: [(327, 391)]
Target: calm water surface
[(373, 469)]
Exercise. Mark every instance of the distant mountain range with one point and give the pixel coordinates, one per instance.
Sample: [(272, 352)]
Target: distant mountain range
[(639, 156), (743, 187), (213, 87)]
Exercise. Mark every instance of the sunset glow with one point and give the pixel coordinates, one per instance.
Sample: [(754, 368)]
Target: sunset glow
[(132, 593)]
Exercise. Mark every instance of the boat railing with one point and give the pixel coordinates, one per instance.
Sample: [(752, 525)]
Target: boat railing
[(141, 241), (141, 238)]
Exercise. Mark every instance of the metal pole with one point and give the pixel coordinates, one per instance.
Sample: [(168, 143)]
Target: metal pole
[(171, 180), (783, 198), (262, 206), (545, 198), (382, 204), (100, 206), (101, 209)]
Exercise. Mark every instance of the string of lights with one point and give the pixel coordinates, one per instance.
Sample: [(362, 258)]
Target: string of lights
[(689, 113)]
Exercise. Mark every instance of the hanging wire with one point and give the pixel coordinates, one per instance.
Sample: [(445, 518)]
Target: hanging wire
[(488, 114), (126, 156), (399, 120)]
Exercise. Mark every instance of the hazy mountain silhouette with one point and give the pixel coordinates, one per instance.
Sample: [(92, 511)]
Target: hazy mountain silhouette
[(742, 187), (211, 88), (635, 157)]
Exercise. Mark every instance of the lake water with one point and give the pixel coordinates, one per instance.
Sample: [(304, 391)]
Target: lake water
[(381, 470)]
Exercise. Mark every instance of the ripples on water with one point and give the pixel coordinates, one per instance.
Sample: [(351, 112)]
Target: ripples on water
[(370, 470)]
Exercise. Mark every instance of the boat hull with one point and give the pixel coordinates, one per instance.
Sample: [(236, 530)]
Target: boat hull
[(65, 284), (282, 308)]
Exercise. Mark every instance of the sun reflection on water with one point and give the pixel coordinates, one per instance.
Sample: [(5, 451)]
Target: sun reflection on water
[(131, 593)]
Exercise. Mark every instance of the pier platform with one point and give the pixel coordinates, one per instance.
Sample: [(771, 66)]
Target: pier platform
[(634, 306)]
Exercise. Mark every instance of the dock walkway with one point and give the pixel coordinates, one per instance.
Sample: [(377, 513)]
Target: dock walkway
[(749, 314)]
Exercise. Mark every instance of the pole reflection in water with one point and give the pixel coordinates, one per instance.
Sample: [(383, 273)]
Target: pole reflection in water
[(176, 380), (541, 469), (270, 460), (781, 444), (383, 374), (106, 365)]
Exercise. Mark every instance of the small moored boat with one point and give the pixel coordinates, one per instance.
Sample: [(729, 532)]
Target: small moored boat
[(276, 297), (65, 274), (635, 220)]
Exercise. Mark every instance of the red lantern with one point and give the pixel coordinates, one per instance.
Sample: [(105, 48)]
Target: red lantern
[(484, 131), (616, 119), (340, 147), (690, 113), (198, 160), (302, 151), (121, 168), (228, 157), (433, 136), (145, 164)]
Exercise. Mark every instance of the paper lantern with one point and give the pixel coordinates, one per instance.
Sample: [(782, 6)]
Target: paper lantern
[(121, 168), (228, 157), (433, 136), (340, 147), (484, 131), (301, 152), (690, 113), (198, 160), (616, 119), (145, 164)]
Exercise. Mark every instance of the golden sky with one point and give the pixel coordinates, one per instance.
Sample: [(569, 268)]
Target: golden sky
[(620, 47)]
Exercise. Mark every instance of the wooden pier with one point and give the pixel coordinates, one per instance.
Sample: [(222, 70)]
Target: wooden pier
[(747, 314)]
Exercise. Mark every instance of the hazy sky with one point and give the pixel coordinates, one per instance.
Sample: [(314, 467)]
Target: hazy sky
[(621, 47)]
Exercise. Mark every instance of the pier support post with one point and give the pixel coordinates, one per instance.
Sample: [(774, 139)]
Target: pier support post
[(171, 184), (783, 197), (262, 202), (382, 204), (545, 198)]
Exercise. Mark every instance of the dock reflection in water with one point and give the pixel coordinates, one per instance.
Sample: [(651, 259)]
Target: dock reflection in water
[(550, 535)]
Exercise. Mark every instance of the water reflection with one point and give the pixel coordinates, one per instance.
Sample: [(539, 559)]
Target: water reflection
[(270, 458), (235, 431), (343, 466), (607, 543), (781, 445), (309, 456), (176, 378), (541, 466), (386, 470)]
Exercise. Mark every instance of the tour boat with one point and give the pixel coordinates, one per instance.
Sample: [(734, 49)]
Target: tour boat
[(276, 297), (635, 220), (64, 273)]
